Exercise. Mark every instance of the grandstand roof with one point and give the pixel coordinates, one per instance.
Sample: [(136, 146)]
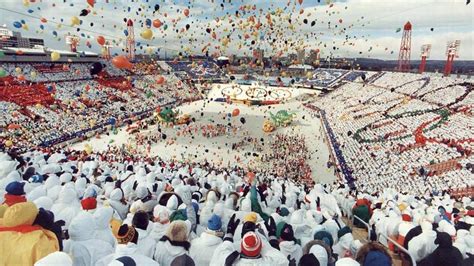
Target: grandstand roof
[(24, 50)]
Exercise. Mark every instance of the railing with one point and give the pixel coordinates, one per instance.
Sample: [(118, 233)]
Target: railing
[(400, 247)]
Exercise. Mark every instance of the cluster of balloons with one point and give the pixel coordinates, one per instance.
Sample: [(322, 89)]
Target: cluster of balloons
[(122, 62)]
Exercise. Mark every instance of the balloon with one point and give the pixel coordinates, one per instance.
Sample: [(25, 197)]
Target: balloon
[(148, 22), (156, 23), (33, 74), (121, 61), (55, 56), (186, 12), (3, 73), (101, 40), (125, 32), (43, 20), (235, 112), (300, 2), (160, 80), (17, 25), (8, 143), (91, 2), (96, 68), (75, 21), (84, 13), (147, 34), (242, 120)]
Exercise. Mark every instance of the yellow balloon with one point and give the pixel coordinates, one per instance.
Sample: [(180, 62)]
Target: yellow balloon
[(33, 74), (8, 143), (18, 70), (147, 34), (75, 21), (55, 56)]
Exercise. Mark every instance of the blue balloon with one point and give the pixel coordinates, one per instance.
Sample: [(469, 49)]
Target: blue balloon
[(125, 32), (17, 25), (22, 21), (55, 33), (42, 27), (148, 22), (50, 88), (30, 11)]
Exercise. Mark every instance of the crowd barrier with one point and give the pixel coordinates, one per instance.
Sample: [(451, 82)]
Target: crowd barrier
[(394, 242)]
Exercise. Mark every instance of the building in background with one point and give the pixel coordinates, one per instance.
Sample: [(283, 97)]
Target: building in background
[(300, 56), (14, 39)]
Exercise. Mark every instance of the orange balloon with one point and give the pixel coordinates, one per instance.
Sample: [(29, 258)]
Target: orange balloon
[(300, 2), (121, 61), (235, 112), (186, 12), (91, 2), (156, 23), (21, 77), (160, 80), (101, 40)]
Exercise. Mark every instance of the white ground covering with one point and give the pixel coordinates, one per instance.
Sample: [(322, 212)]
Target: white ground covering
[(185, 147)]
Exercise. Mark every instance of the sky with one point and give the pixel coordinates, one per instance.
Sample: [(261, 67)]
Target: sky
[(351, 28)]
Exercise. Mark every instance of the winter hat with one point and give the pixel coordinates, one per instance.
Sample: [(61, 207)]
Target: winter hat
[(287, 233), (251, 217), (89, 203), (177, 231), (127, 234), (377, 258), (214, 223), (284, 212), (140, 220), (183, 260), (15, 188), (179, 215), (325, 236), (309, 260), (343, 231), (36, 179), (251, 245), (444, 240)]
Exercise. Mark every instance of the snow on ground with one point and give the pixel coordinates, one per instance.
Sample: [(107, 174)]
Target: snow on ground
[(218, 149)]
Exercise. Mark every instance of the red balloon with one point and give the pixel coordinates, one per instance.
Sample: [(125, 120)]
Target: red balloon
[(300, 2), (156, 23), (91, 2), (121, 61), (101, 40), (186, 12), (160, 80), (235, 112)]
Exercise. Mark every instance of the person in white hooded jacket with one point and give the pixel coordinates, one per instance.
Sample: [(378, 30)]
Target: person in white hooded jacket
[(128, 237), (103, 216), (424, 244), (145, 243), (83, 247), (254, 247), (204, 245), (288, 245), (176, 240)]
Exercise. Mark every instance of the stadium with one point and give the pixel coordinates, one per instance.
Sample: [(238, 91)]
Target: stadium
[(236, 133)]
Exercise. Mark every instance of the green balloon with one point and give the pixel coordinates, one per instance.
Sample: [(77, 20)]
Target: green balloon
[(3, 73)]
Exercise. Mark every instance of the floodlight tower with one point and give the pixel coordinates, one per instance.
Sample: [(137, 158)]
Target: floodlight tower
[(425, 53), (130, 45), (72, 41), (452, 51), (106, 50), (405, 49)]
